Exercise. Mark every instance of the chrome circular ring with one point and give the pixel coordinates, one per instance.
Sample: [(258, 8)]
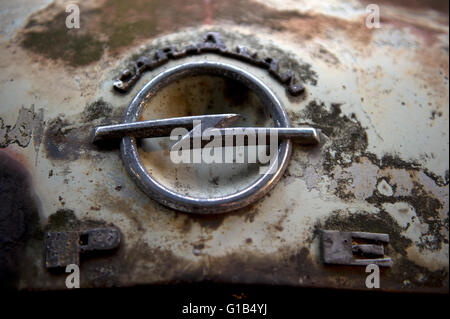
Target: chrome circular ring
[(215, 205)]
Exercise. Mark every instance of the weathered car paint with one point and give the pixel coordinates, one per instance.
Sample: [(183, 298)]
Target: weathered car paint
[(380, 97)]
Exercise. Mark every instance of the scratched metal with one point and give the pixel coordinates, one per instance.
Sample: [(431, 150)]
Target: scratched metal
[(379, 96)]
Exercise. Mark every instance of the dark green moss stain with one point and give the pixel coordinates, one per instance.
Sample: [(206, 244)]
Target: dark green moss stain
[(305, 73), (59, 42), (302, 261), (63, 220), (119, 24), (19, 218), (97, 110), (128, 21), (124, 22), (66, 220)]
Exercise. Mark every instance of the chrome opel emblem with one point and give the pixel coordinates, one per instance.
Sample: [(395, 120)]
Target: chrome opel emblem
[(217, 125)]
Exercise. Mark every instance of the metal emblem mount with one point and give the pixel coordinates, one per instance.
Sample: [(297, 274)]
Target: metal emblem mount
[(64, 248), (339, 248)]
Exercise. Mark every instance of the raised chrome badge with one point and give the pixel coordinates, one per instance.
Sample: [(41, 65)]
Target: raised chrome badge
[(198, 133)]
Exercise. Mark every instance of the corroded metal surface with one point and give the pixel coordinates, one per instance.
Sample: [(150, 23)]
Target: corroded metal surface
[(379, 96), (64, 248), (212, 43), (339, 249)]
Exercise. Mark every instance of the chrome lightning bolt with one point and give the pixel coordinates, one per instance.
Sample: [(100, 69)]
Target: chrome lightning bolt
[(217, 124)]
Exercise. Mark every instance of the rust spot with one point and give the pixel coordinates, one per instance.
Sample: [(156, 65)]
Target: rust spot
[(279, 224), (310, 26), (250, 216), (438, 5), (428, 34)]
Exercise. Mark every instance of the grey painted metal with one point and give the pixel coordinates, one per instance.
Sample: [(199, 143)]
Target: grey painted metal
[(189, 204)]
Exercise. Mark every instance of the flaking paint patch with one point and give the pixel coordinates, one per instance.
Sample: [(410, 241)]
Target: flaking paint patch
[(27, 122), (428, 211), (356, 174), (384, 188)]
